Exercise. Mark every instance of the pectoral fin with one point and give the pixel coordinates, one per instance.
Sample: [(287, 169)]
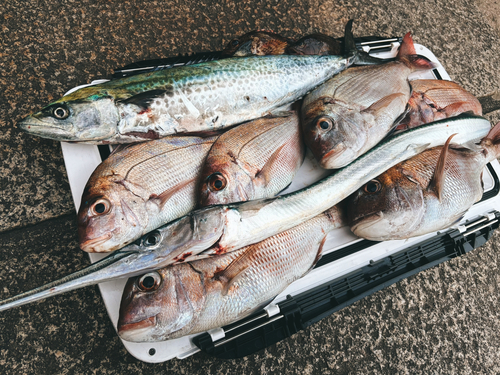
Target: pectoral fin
[(232, 272), (390, 107), (437, 181), (265, 174), (144, 99), (164, 196)]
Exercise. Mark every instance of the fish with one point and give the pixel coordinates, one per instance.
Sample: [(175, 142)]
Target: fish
[(429, 192), (350, 113), (257, 43), (221, 229), (189, 99), (138, 188), (435, 99), (198, 296), (316, 44), (254, 160)]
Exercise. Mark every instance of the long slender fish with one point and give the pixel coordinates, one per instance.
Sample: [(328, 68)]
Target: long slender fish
[(424, 194), (353, 111), (138, 188), (255, 160), (220, 229), (195, 98), (189, 298)]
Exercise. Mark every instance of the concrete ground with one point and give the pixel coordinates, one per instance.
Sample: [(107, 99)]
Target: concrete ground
[(444, 320)]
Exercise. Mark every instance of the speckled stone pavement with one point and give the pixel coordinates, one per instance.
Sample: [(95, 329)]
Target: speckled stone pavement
[(444, 320)]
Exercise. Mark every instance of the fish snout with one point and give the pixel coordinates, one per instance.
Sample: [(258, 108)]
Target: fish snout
[(362, 225), (136, 331)]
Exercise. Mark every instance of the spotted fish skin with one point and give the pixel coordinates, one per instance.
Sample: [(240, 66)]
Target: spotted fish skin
[(415, 198), (189, 99), (210, 293), (255, 160), (139, 188)]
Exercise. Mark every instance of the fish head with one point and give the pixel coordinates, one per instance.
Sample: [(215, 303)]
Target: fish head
[(331, 131), (81, 116), (388, 207), (161, 304), (224, 183), (110, 215)]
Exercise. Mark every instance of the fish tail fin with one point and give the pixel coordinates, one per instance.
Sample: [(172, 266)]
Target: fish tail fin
[(356, 56), (491, 143), (408, 55)]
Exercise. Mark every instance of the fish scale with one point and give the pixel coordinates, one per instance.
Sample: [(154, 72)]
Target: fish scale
[(136, 174), (194, 98), (226, 228), (266, 268), (413, 199)]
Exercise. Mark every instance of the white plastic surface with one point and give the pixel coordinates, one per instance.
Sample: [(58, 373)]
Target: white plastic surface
[(81, 160)]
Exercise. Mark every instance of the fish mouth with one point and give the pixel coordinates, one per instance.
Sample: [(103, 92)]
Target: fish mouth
[(135, 332), (40, 128), (92, 245), (330, 159), (362, 223)]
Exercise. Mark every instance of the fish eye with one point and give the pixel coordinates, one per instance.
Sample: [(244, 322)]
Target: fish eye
[(216, 181), (60, 113), (372, 186), (100, 207), (235, 42), (149, 282), (152, 239), (324, 123)]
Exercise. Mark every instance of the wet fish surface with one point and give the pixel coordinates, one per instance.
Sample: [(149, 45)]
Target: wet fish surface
[(255, 160), (224, 228), (194, 297), (138, 188), (435, 99), (350, 113), (188, 99), (424, 194)]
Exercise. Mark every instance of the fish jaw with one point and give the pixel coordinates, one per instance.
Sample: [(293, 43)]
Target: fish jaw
[(134, 331), (81, 121), (123, 219)]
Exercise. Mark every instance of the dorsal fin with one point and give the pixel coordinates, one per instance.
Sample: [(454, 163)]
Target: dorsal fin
[(437, 181), (408, 55)]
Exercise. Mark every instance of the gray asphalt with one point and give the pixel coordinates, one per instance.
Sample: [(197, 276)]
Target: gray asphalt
[(443, 320)]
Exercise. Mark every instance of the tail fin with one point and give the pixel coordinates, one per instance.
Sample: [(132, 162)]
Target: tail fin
[(353, 54), (408, 55)]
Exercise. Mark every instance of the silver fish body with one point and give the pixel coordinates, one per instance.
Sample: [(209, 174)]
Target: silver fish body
[(353, 111), (203, 97), (190, 298), (417, 197), (139, 188), (255, 160), (224, 228)]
